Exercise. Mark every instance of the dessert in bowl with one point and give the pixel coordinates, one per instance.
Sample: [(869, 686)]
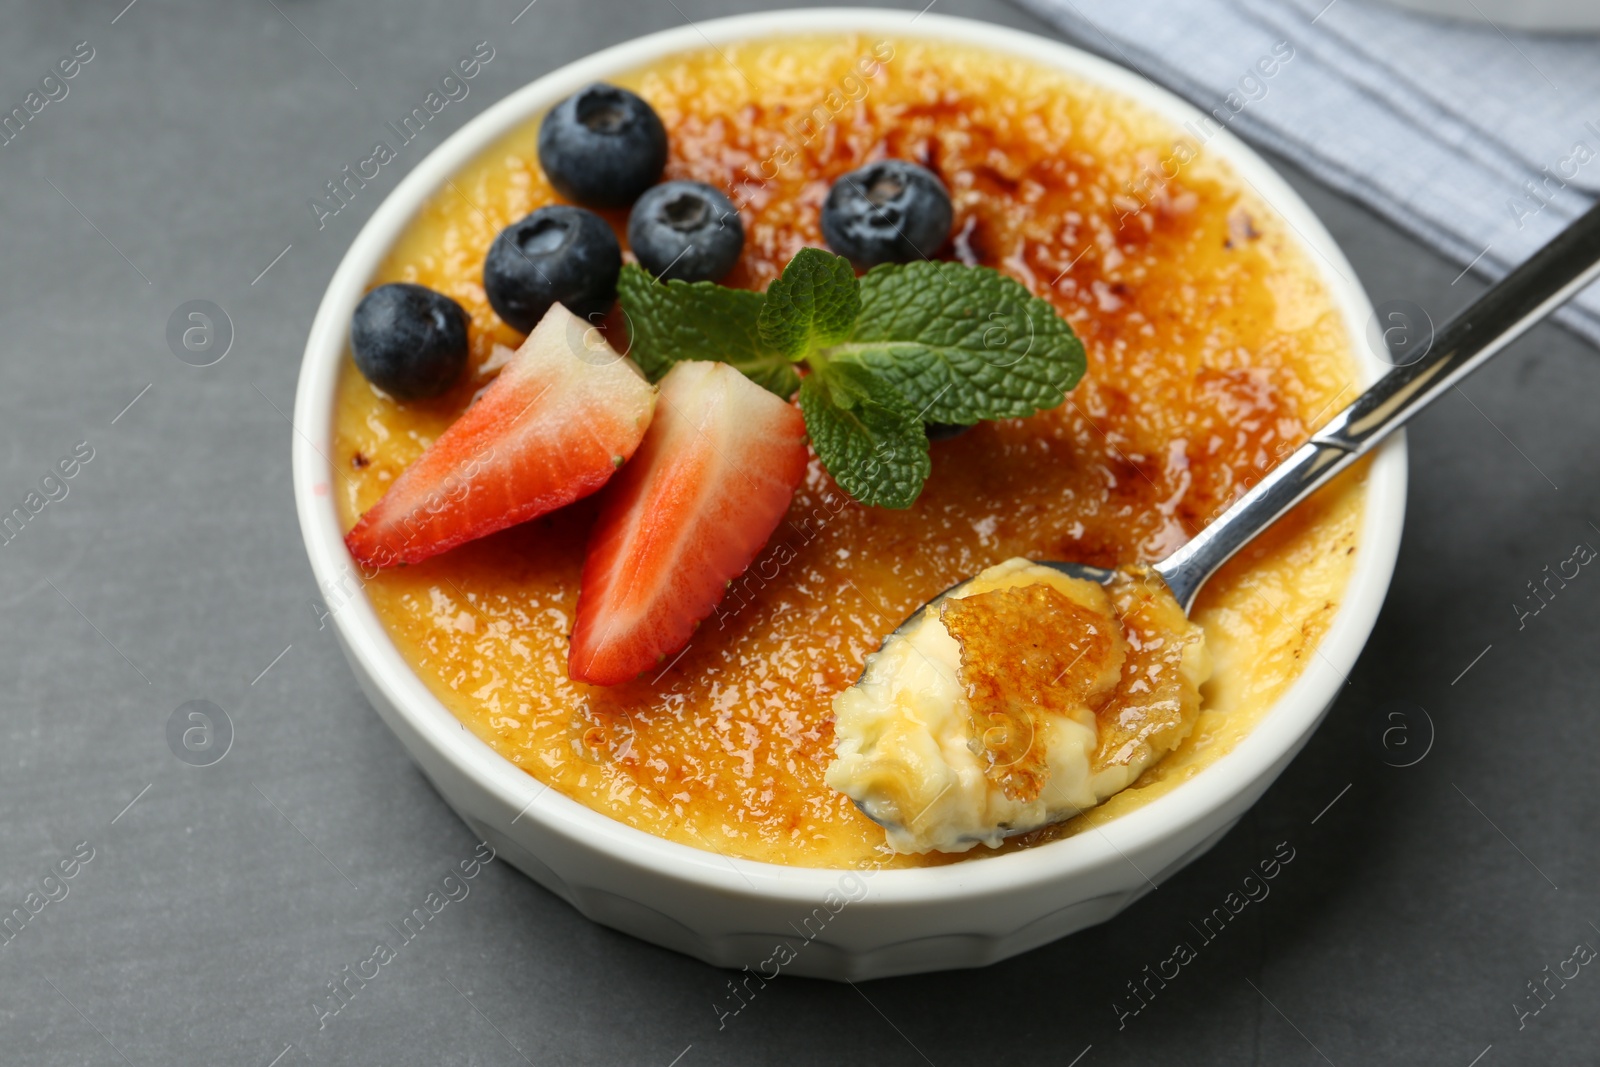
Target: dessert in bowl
[(691, 803)]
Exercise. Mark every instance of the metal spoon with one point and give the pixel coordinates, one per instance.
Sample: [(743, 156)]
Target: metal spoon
[(1549, 278)]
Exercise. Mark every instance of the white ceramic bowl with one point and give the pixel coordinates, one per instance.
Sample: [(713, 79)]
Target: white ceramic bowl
[(835, 924)]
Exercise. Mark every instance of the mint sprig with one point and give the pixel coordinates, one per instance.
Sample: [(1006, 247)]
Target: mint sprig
[(961, 343), (812, 305), (903, 344), (674, 321), (870, 441)]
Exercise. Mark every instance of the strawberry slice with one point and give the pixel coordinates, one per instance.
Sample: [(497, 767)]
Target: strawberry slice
[(564, 414), (711, 482)]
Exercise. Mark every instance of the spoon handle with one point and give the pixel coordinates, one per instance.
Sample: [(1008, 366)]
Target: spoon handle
[(1546, 280)]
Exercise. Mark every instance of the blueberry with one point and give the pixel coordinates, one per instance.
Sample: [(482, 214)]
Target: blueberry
[(409, 341), (686, 230), (557, 253), (943, 431), (892, 211), (602, 146)]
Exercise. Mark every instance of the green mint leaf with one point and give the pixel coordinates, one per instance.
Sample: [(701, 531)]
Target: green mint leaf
[(962, 344), (673, 321), (814, 303), (870, 441)]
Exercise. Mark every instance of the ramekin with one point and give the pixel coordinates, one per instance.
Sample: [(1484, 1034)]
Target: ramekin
[(808, 921)]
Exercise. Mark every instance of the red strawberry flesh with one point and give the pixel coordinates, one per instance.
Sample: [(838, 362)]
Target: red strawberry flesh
[(687, 515), (564, 414)]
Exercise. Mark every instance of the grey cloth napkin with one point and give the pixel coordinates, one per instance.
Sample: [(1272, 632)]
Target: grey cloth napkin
[(1482, 142)]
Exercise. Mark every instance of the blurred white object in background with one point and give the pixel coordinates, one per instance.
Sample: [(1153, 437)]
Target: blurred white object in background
[(1546, 15)]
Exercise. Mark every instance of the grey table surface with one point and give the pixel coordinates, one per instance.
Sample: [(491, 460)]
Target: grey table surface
[(219, 901)]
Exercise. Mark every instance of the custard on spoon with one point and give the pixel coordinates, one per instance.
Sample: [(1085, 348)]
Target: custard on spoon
[(1019, 698), (991, 712)]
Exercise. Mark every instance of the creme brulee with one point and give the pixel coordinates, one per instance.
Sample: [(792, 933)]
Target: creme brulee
[(1213, 349)]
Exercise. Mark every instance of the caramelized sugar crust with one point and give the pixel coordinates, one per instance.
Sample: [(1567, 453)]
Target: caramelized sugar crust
[(1212, 348), (1154, 706), (1031, 651), (1028, 652)]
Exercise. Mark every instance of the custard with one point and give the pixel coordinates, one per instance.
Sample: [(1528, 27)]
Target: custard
[(1018, 699), (1213, 350)]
